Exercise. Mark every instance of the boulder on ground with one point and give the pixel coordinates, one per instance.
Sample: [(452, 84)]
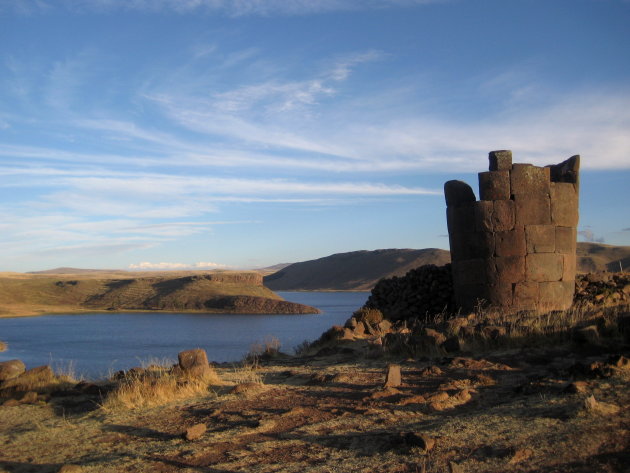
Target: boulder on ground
[(392, 378), (70, 469), (588, 334), (195, 432), (195, 362), (597, 407), (413, 439), (11, 369), (30, 397), (452, 344)]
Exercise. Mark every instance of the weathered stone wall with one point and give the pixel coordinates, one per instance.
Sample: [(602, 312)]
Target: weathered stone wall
[(515, 247)]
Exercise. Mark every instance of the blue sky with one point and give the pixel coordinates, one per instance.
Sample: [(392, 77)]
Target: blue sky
[(216, 133)]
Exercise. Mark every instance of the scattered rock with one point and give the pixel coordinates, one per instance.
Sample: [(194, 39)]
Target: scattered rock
[(384, 326), (319, 378), (452, 345), (423, 441), (11, 403), (385, 393), (454, 467), (369, 314), (29, 398), (619, 362), (90, 389), (483, 380), (597, 407), (40, 375), (367, 328), (462, 396), (348, 334), (244, 388), (195, 432), (493, 332), (588, 334), (520, 455), (431, 371), (436, 338), (438, 397), (392, 378), (456, 324), (11, 369), (417, 399), (468, 332), (137, 371), (577, 387), (599, 369), (359, 329), (70, 469)]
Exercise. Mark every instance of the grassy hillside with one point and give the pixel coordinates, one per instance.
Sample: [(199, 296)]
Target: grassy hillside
[(358, 270), (599, 257), (239, 292)]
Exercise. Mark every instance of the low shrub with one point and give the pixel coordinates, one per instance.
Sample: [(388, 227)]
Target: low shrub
[(157, 385)]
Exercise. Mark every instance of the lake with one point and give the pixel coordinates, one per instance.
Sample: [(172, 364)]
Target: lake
[(95, 345)]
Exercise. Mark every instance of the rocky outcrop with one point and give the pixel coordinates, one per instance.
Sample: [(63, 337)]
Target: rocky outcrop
[(11, 369), (258, 305)]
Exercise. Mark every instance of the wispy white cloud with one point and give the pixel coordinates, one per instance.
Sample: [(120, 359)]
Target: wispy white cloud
[(229, 7)]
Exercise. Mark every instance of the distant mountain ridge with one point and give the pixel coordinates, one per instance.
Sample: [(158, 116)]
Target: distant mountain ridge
[(66, 270), (361, 270), (353, 271)]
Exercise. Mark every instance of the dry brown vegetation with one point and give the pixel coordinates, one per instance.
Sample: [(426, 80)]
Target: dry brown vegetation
[(541, 397), (157, 385)]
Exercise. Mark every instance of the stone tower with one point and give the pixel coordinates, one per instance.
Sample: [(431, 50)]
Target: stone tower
[(515, 247)]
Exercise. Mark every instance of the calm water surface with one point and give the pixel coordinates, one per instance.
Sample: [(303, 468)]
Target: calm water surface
[(97, 344)]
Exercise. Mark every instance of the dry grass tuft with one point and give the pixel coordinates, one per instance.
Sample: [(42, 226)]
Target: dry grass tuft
[(3, 346), (247, 373), (156, 386), (268, 348), (552, 328)]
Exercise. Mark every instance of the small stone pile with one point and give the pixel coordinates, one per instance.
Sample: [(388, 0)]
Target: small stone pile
[(420, 294), (602, 288)]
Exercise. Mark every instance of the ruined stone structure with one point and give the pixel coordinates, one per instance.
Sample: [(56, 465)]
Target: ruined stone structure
[(515, 247)]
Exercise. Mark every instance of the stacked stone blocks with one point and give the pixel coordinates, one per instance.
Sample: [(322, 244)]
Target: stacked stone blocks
[(515, 247)]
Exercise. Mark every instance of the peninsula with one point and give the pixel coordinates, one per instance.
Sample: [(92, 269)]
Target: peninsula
[(202, 291)]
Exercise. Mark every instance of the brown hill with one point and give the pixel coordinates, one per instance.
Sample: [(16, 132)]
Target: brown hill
[(354, 271), (222, 292), (592, 257), (361, 270)]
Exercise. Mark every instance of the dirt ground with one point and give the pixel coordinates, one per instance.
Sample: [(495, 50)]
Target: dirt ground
[(524, 410)]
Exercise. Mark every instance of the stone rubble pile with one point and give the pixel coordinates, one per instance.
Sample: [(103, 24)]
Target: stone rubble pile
[(421, 293), (602, 288)]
